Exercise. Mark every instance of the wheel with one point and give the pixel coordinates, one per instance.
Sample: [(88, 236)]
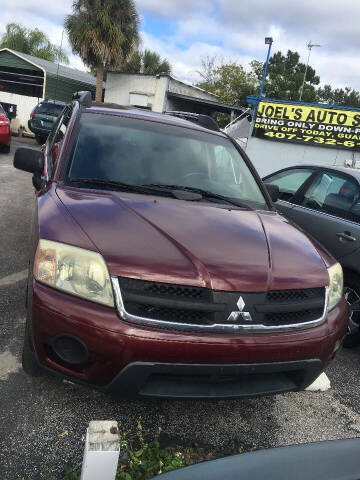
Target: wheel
[(40, 139), (29, 363), (6, 148), (352, 296)]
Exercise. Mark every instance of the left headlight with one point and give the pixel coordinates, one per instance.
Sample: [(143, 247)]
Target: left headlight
[(336, 285), (74, 270)]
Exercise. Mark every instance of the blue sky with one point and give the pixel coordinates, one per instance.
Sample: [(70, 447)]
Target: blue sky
[(185, 30)]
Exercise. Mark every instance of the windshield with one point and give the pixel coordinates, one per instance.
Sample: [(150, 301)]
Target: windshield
[(139, 152), (49, 109)]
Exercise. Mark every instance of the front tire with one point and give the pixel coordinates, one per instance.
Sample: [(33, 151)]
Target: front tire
[(40, 139), (28, 359), (352, 294), (6, 148)]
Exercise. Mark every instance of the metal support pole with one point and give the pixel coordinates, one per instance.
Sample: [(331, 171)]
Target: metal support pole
[(309, 46), (268, 41), (306, 69), (265, 71), (58, 65)]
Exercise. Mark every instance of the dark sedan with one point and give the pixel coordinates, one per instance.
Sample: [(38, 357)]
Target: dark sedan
[(337, 460), (325, 202)]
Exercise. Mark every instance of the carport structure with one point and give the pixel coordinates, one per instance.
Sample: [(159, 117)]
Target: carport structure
[(24, 74), (25, 80)]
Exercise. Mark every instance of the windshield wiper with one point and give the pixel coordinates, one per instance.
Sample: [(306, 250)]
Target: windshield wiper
[(117, 185), (160, 188), (204, 193)]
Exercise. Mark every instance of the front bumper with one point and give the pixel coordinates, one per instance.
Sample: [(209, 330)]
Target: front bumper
[(211, 381), (166, 380), (37, 130), (127, 359)]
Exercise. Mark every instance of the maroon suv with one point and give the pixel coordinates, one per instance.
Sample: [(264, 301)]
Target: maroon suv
[(159, 266)]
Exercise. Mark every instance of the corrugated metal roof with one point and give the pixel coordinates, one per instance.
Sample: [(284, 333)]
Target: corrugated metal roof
[(52, 68), (193, 86)]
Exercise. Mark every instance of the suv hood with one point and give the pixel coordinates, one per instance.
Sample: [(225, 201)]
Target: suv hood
[(201, 244)]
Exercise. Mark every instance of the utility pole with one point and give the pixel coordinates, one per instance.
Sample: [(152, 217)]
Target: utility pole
[(310, 47), (58, 65)]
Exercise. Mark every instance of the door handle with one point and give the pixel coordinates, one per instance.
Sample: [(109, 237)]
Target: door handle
[(346, 236)]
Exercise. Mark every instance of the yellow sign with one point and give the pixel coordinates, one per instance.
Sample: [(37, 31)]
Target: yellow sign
[(319, 126)]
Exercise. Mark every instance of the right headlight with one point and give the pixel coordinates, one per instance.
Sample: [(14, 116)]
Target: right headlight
[(336, 285), (73, 270)]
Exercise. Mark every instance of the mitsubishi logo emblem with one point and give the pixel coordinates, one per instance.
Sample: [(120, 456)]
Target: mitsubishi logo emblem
[(240, 314)]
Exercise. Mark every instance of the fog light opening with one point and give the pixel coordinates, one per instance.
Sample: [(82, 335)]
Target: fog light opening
[(70, 349)]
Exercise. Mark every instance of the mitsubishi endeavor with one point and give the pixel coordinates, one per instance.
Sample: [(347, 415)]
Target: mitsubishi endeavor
[(159, 266)]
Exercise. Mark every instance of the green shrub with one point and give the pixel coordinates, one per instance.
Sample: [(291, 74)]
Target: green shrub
[(147, 459)]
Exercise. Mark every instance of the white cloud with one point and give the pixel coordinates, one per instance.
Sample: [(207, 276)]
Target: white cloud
[(232, 29), (174, 9), (186, 63)]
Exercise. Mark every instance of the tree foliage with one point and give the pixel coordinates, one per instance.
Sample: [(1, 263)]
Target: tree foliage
[(285, 78), (233, 83), (33, 42), (104, 33), (147, 62), (339, 96)]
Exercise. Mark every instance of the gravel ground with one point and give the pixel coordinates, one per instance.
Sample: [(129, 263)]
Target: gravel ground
[(43, 420)]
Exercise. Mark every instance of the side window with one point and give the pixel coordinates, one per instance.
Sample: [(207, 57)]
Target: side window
[(289, 181), (56, 138), (333, 194)]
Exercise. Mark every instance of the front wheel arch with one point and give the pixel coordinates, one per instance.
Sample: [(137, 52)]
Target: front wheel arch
[(352, 280)]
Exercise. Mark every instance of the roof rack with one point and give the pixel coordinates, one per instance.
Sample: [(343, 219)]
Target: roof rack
[(203, 120), (83, 97)]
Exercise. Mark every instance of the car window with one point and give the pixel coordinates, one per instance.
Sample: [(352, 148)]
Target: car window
[(48, 108), (333, 194), (142, 152), (289, 181), (56, 137)]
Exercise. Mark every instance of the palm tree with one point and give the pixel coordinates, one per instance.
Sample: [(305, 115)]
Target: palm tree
[(153, 64), (33, 42), (147, 62), (104, 33)]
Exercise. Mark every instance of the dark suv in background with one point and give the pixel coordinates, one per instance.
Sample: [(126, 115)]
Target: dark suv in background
[(43, 117), (160, 267)]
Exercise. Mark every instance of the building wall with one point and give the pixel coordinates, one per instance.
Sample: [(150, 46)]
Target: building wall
[(24, 104), (269, 156), (138, 90), (62, 88)]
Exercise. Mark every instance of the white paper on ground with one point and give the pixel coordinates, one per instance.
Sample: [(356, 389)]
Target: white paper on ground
[(321, 384)]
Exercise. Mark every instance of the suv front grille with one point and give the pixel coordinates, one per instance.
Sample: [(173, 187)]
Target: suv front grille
[(179, 306), (175, 315), (294, 295), (287, 318), (166, 289)]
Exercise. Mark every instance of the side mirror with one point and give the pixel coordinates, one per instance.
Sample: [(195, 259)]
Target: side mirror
[(30, 160), (273, 191), (355, 209)]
